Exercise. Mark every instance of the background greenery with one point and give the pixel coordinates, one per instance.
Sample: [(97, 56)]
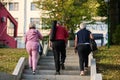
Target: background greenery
[(116, 36), (108, 62), (70, 12)]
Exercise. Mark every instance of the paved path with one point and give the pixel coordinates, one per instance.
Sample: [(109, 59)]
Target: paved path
[(46, 69)]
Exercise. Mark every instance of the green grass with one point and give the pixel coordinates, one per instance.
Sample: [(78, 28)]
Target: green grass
[(9, 58), (108, 62)]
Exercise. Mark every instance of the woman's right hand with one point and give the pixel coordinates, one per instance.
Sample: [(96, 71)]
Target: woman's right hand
[(75, 49)]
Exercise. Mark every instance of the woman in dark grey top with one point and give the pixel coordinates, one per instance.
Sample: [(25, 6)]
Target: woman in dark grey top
[(82, 43)]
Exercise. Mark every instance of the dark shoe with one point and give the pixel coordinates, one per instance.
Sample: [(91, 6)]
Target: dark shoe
[(86, 69), (57, 73), (30, 68), (63, 67), (61, 63)]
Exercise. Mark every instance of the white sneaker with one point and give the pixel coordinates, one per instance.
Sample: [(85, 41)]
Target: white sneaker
[(82, 73)]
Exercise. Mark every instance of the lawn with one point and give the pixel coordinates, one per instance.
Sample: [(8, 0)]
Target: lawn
[(9, 58), (108, 62)]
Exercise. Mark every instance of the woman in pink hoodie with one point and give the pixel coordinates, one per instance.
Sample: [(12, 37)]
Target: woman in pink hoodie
[(32, 38)]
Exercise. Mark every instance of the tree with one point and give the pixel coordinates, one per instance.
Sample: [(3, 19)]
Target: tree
[(71, 12), (116, 36), (114, 17), (102, 9)]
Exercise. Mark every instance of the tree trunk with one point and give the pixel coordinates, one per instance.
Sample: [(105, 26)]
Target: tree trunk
[(114, 16)]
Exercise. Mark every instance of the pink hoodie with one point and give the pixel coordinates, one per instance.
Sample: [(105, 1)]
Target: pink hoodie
[(32, 45), (33, 35)]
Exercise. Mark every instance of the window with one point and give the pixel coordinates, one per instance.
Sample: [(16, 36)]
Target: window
[(10, 27), (33, 7), (13, 6), (36, 21), (5, 4)]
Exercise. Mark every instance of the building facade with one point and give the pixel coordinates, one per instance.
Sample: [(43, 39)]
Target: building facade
[(25, 12)]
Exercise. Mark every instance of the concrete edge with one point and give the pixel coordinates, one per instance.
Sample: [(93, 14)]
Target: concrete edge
[(93, 69), (22, 62), (19, 68), (98, 77), (45, 49), (90, 57), (93, 74)]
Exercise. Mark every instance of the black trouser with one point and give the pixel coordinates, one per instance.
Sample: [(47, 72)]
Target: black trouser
[(59, 49), (83, 52)]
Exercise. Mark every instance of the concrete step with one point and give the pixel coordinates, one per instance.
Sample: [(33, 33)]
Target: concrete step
[(55, 77), (46, 67), (66, 61), (52, 72), (73, 57), (67, 52), (50, 53), (52, 67), (53, 64), (67, 49)]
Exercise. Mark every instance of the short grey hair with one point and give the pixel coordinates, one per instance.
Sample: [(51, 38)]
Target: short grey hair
[(58, 22), (82, 25)]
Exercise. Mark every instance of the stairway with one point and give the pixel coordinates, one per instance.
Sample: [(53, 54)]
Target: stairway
[(46, 69)]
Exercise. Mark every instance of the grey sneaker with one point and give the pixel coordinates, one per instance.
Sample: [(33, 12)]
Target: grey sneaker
[(57, 73), (33, 72)]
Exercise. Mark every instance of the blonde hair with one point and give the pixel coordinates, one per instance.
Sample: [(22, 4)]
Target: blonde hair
[(82, 25), (32, 26)]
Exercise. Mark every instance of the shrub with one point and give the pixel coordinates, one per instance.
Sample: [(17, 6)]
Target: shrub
[(116, 35), (71, 36)]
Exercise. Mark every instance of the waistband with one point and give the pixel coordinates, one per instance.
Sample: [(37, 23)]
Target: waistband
[(83, 43)]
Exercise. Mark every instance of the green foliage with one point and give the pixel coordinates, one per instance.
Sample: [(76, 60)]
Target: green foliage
[(46, 38), (116, 35), (71, 35), (71, 12), (102, 9)]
